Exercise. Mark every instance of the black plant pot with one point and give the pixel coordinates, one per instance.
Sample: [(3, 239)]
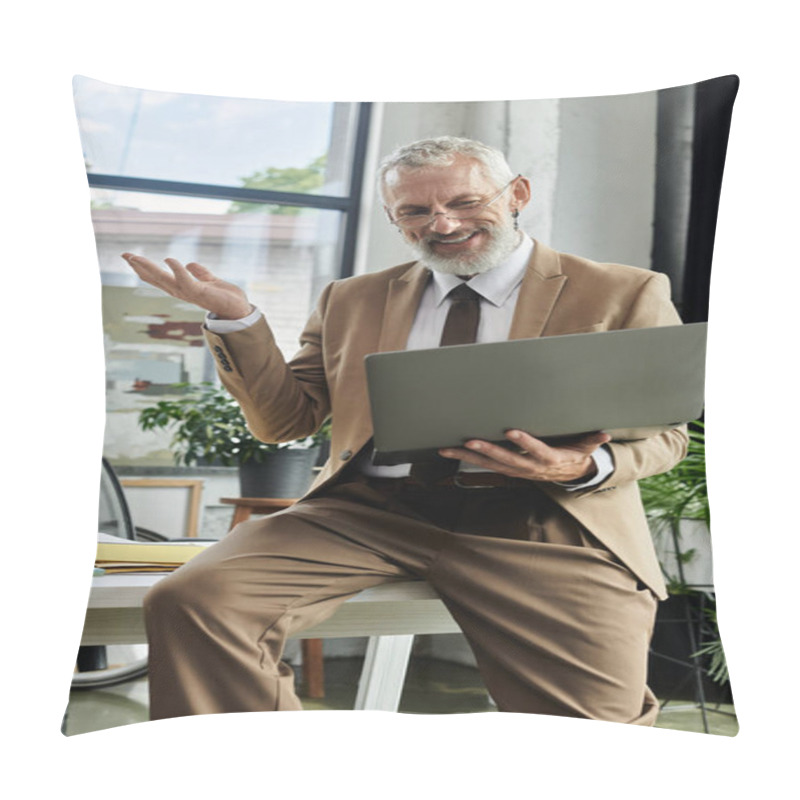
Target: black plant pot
[(671, 664), (285, 473)]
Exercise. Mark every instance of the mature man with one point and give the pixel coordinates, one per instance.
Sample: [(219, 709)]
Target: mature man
[(541, 553)]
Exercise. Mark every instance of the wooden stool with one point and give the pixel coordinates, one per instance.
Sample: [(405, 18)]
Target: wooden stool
[(313, 668)]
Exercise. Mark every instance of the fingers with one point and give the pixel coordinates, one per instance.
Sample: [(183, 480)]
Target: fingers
[(183, 278), (200, 272), (193, 283), (489, 456), (150, 272), (533, 459), (178, 282), (587, 443)]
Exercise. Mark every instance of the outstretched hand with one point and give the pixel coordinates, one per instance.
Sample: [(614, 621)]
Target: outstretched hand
[(533, 459), (193, 283)]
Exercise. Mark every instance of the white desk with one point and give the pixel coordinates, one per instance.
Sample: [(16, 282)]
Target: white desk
[(390, 615)]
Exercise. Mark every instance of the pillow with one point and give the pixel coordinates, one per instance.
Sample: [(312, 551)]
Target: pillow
[(279, 199)]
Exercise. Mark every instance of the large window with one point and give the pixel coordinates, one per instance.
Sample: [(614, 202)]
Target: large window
[(263, 193)]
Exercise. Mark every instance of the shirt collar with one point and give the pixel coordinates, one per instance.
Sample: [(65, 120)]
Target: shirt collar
[(497, 284)]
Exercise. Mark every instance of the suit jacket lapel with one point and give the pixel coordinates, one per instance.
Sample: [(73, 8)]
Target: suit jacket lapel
[(402, 300), (540, 289)]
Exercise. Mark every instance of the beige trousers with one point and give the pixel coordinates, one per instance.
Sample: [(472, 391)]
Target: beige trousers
[(557, 624)]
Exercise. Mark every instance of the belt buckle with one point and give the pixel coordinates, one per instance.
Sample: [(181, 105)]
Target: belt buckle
[(457, 482)]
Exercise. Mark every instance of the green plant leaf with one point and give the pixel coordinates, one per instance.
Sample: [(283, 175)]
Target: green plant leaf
[(208, 424)]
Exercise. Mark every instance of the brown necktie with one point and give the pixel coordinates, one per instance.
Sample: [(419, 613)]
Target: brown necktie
[(460, 327)]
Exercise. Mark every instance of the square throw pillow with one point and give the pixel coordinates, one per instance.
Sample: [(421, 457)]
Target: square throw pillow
[(244, 530)]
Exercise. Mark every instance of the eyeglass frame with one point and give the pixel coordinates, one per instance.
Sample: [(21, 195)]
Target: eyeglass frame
[(429, 218)]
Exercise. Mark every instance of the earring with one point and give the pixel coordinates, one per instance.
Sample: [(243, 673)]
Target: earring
[(515, 215)]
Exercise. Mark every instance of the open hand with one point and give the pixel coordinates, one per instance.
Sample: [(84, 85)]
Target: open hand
[(193, 283), (533, 459)]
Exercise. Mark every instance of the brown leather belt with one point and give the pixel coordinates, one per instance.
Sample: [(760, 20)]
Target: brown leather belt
[(462, 480)]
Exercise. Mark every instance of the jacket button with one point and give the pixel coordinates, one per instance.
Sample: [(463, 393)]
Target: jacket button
[(345, 454)]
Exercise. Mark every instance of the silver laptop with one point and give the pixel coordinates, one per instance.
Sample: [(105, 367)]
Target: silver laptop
[(630, 383)]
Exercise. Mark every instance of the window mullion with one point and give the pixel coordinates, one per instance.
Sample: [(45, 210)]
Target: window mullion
[(150, 185)]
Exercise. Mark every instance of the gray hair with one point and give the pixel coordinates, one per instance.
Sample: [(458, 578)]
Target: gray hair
[(442, 151)]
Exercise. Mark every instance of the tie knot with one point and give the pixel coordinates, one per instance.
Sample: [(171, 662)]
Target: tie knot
[(462, 293)]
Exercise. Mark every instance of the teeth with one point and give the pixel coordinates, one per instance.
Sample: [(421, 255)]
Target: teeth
[(453, 241)]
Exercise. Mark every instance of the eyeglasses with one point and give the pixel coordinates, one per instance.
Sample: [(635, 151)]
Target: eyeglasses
[(464, 210)]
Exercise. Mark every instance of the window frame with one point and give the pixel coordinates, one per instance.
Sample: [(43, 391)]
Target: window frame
[(349, 204)]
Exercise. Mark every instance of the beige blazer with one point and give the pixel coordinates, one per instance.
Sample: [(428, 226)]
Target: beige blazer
[(355, 316)]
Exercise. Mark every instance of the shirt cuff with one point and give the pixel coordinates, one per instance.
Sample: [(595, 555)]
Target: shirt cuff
[(217, 325), (605, 466)]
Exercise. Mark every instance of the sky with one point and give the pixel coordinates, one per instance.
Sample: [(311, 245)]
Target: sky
[(192, 137)]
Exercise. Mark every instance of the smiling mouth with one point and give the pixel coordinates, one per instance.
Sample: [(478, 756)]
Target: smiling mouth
[(460, 240)]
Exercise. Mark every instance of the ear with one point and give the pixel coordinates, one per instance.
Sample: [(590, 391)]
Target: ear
[(521, 193)]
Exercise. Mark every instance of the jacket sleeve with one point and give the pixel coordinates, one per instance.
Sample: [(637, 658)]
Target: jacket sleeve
[(645, 457), (281, 400)]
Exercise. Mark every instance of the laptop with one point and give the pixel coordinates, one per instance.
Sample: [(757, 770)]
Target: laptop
[(629, 383)]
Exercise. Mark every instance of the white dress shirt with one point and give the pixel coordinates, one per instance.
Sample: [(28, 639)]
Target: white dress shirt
[(498, 289)]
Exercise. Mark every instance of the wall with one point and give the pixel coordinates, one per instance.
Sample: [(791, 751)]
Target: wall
[(591, 162), (605, 189)]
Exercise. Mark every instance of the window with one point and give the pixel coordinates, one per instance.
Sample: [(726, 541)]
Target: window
[(264, 193)]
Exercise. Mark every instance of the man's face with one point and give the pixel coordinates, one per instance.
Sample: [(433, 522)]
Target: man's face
[(456, 246)]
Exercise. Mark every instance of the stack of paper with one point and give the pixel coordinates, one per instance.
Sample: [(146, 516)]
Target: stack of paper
[(124, 555)]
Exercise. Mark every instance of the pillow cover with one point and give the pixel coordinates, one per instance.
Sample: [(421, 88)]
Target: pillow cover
[(269, 195)]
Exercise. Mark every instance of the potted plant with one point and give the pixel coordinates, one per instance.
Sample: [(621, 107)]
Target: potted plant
[(676, 503), (209, 429)]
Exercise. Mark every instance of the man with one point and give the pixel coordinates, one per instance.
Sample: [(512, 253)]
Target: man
[(541, 553)]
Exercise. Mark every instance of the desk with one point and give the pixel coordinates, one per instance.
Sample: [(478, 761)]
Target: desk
[(390, 615)]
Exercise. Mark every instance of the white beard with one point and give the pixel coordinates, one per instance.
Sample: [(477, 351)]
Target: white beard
[(502, 242)]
